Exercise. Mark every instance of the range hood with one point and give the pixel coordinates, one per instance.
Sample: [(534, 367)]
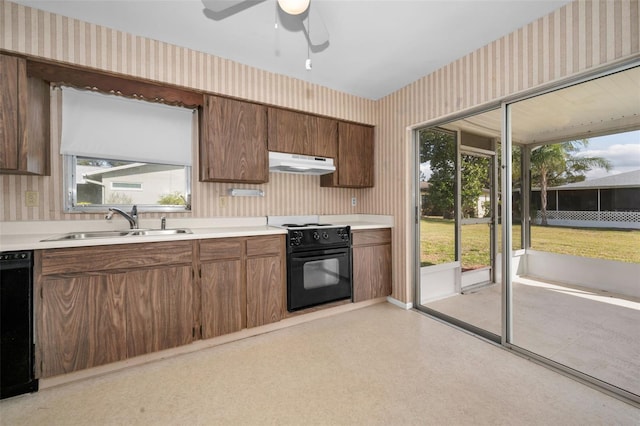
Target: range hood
[(300, 164)]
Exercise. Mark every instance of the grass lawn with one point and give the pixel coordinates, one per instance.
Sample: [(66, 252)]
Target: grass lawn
[(438, 244)]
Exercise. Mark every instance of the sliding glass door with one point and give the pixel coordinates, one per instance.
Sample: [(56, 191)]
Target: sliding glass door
[(457, 243), (565, 289)]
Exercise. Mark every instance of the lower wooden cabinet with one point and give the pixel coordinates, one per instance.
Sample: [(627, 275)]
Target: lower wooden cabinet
[(104, 304), (91, 320), (81, 323), (266, 279), (158, 308), (223, 302), (242, 283), (371, 264), (264, 290), (222, 296)]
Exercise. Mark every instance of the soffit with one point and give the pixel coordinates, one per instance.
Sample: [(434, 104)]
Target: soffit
[(603, 106)]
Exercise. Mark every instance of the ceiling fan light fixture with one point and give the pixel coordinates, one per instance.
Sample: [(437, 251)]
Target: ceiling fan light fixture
[(294, 7)]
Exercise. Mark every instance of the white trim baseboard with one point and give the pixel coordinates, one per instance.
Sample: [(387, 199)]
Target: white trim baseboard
[(399, 304)]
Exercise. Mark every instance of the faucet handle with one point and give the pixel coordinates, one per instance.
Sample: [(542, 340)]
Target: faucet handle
[(134, 210)]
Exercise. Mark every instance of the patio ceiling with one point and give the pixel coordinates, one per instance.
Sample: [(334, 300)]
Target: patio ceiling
[(603, 106)]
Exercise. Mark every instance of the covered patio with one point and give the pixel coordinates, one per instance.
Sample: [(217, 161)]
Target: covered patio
[(588, 330), (578, 313)]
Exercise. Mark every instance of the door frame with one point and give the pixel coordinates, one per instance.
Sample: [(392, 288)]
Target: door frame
[(491, 221), (455, 266)]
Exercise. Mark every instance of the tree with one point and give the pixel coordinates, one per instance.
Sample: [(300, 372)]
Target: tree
[(439, 149), (558, 164), (475, 178)]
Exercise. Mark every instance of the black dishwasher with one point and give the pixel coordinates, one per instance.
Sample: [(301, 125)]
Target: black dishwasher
[(16, 324)]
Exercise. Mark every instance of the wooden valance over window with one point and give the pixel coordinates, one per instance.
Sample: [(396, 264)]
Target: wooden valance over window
[(107, 83)]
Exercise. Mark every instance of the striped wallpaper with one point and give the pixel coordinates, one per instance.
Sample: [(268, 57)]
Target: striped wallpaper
[(571, 40), (41, 34)]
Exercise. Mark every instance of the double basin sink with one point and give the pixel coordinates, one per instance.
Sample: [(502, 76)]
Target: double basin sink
[(72, 236)]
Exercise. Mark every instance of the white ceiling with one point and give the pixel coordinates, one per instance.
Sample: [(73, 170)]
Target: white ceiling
[(603, 106), (375, 47)]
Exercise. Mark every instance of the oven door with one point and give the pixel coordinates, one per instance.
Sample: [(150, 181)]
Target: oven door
[(318, 276)]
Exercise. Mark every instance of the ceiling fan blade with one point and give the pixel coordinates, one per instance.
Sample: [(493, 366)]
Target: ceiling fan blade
[(314, 27), (220, 9)]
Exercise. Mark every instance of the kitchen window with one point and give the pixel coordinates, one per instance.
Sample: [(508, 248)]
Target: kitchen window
[(120, 152)]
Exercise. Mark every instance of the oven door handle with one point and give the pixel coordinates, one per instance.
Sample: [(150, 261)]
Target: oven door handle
[(315, 256)]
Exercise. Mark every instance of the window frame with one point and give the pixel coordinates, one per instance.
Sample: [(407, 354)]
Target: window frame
[(71, 193)]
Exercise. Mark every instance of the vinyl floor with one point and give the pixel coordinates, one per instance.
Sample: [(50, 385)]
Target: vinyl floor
[(378, 365)]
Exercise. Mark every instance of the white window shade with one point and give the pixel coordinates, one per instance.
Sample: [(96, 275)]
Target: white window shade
[(108, 126)]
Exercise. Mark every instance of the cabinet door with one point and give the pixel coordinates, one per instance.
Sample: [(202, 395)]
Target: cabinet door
[(264, 290), (290, 131), (299, 133), (371, 272), (233, 141), (159, 309), (327, 138), (223, 300), (81, 323), (8, 112), (354, 162), (355, 151), (25, 111)]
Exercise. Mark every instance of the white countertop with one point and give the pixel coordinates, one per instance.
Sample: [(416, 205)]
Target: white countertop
[(29, 235)]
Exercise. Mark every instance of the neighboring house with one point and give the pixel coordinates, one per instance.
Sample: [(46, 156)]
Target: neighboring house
[(135, 183), (608, 202)]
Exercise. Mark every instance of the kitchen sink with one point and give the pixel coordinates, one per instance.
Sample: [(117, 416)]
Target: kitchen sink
[(113, 234), (151, 232)]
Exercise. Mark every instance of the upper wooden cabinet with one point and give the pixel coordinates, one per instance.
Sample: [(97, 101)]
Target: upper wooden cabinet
[(299, 133), (327, 137), (24, 120), (233, 141), (354, 163)]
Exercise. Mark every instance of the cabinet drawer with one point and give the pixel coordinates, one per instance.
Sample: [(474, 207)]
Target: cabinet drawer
[(121, 256), (224, 248), (265, 246), (371, 237)]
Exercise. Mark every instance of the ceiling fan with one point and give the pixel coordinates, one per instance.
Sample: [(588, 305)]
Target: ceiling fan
[(294, 15)]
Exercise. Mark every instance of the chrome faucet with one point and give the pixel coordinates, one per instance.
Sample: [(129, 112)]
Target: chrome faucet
[(132, 217)]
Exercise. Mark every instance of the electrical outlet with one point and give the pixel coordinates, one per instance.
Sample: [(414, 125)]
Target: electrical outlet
[(354, 201), (223, 201), (31, 198)]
